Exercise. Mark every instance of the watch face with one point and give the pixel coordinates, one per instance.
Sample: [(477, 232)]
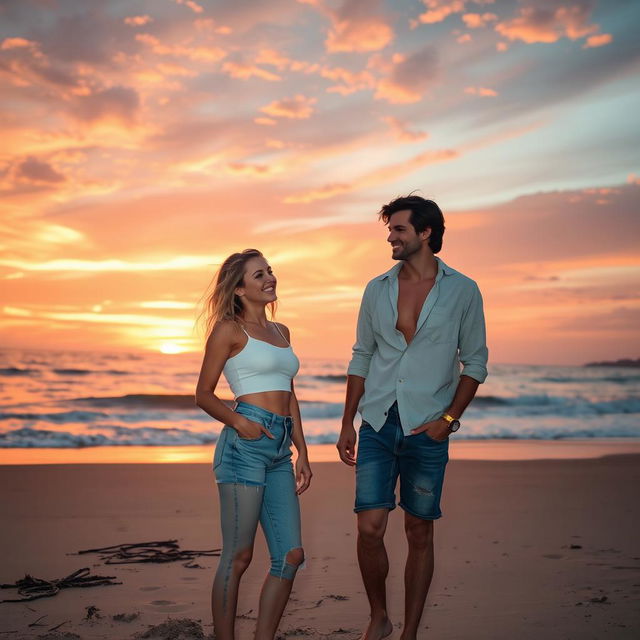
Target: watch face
[(454, 425)]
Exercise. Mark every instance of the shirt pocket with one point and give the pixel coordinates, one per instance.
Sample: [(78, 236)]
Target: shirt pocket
[(441, 327)]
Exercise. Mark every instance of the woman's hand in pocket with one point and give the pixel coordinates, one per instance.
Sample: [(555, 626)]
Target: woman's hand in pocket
[(250, 430)]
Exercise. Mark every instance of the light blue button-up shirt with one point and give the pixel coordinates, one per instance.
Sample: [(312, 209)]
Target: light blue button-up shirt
[(423, 375)]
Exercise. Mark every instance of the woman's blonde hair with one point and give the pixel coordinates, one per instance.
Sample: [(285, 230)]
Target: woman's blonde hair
[(223, 303)]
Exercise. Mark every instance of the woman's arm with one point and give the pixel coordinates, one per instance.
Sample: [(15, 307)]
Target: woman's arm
[(303, 470), (219, 345)]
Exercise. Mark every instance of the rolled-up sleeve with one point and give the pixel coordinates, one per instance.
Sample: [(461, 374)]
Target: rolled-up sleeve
[(365, 344), (472, 341)]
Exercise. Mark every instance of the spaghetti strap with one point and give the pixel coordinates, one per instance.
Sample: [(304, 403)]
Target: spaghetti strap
[(248, 336), (282, 334)]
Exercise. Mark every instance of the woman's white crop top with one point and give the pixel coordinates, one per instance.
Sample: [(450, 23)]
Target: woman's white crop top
[(261, 366)]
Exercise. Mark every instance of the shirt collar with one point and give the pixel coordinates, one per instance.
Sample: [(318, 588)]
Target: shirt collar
[(443, 270)]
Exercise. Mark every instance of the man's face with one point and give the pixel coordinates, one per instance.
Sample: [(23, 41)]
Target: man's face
[(402, 236)]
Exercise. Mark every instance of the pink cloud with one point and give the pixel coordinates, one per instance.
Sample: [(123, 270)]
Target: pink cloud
[(268, 122), (194, 6), (138, 21), (38, 171), (114, 103), (402, 131), (348, 81), (549, 22), (465, 37), (242, 168), (196, 53), (477, 20), (374, 178), (298, 107), (208, 24), (356, 27), (598, 40), (246, 70), (483, 92), (409, 77)]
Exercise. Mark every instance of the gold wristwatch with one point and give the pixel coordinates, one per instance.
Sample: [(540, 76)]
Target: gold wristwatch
[(454, 424)]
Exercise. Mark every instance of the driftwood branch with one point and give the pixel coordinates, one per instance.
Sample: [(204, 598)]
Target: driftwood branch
[(30, 588), (155, 551)]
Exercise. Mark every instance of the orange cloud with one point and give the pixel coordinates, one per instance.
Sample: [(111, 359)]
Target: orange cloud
[(242, 168), (268, 122), (208, 24), (246, 70), (402, 131), (483, 92), (536, 23), (438, 10), (16, 43), (199, 53), (137, 21), (194, 6), (465, 37), (273, 58), (598, 40), (356, 27), (348, 81), (477, 20), (298, 107)]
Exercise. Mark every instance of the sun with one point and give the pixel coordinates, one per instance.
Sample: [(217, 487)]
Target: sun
[(170, 348)]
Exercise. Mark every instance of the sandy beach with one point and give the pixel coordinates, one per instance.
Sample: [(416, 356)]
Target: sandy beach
[(526, 548)]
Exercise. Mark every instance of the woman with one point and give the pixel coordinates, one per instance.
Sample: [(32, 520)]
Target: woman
[(252, 461)]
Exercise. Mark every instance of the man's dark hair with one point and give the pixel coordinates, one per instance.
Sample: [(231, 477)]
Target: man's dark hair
[(424, 214)]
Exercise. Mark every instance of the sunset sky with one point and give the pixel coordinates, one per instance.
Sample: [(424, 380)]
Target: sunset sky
[(144, 141)]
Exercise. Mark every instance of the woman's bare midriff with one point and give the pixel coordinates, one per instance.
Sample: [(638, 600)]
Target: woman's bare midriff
[(275, 401)]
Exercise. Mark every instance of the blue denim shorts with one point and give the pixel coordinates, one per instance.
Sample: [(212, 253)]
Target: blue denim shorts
[(244, 461), (384, 455)]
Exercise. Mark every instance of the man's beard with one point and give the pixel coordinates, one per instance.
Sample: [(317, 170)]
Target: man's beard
[(407, 251)]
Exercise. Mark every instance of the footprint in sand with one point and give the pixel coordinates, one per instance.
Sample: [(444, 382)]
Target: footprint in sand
[(150, 588), (552, 556), (169, 606)]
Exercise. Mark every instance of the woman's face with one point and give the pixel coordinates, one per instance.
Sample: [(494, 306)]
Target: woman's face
[(259, 283)]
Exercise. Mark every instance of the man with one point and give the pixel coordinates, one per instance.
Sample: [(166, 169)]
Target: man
[(417, 324)]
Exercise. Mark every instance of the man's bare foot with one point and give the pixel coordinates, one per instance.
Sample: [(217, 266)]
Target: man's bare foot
[(378, 630)]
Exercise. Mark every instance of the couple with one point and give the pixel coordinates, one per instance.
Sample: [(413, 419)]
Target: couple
[(417, 324)]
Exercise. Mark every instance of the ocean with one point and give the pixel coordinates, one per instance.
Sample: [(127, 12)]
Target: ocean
[(64, 399)]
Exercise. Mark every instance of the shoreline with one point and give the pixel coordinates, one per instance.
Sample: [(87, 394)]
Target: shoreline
[(494, 450)]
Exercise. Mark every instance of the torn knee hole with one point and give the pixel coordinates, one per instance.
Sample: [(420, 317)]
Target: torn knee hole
[(295, 557)]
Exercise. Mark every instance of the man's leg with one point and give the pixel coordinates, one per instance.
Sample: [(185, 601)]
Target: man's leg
[(422, 466), (374, 567), (417, 573)]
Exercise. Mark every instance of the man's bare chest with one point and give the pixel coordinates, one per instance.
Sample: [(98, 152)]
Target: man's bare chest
[(411, 298)]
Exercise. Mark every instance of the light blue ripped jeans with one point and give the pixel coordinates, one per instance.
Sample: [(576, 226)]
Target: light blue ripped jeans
[(256, 483)]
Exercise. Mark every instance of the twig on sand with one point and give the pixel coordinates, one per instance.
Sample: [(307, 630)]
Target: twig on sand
[(37, 623), (156, 551), (59, 625), (31, 588)]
